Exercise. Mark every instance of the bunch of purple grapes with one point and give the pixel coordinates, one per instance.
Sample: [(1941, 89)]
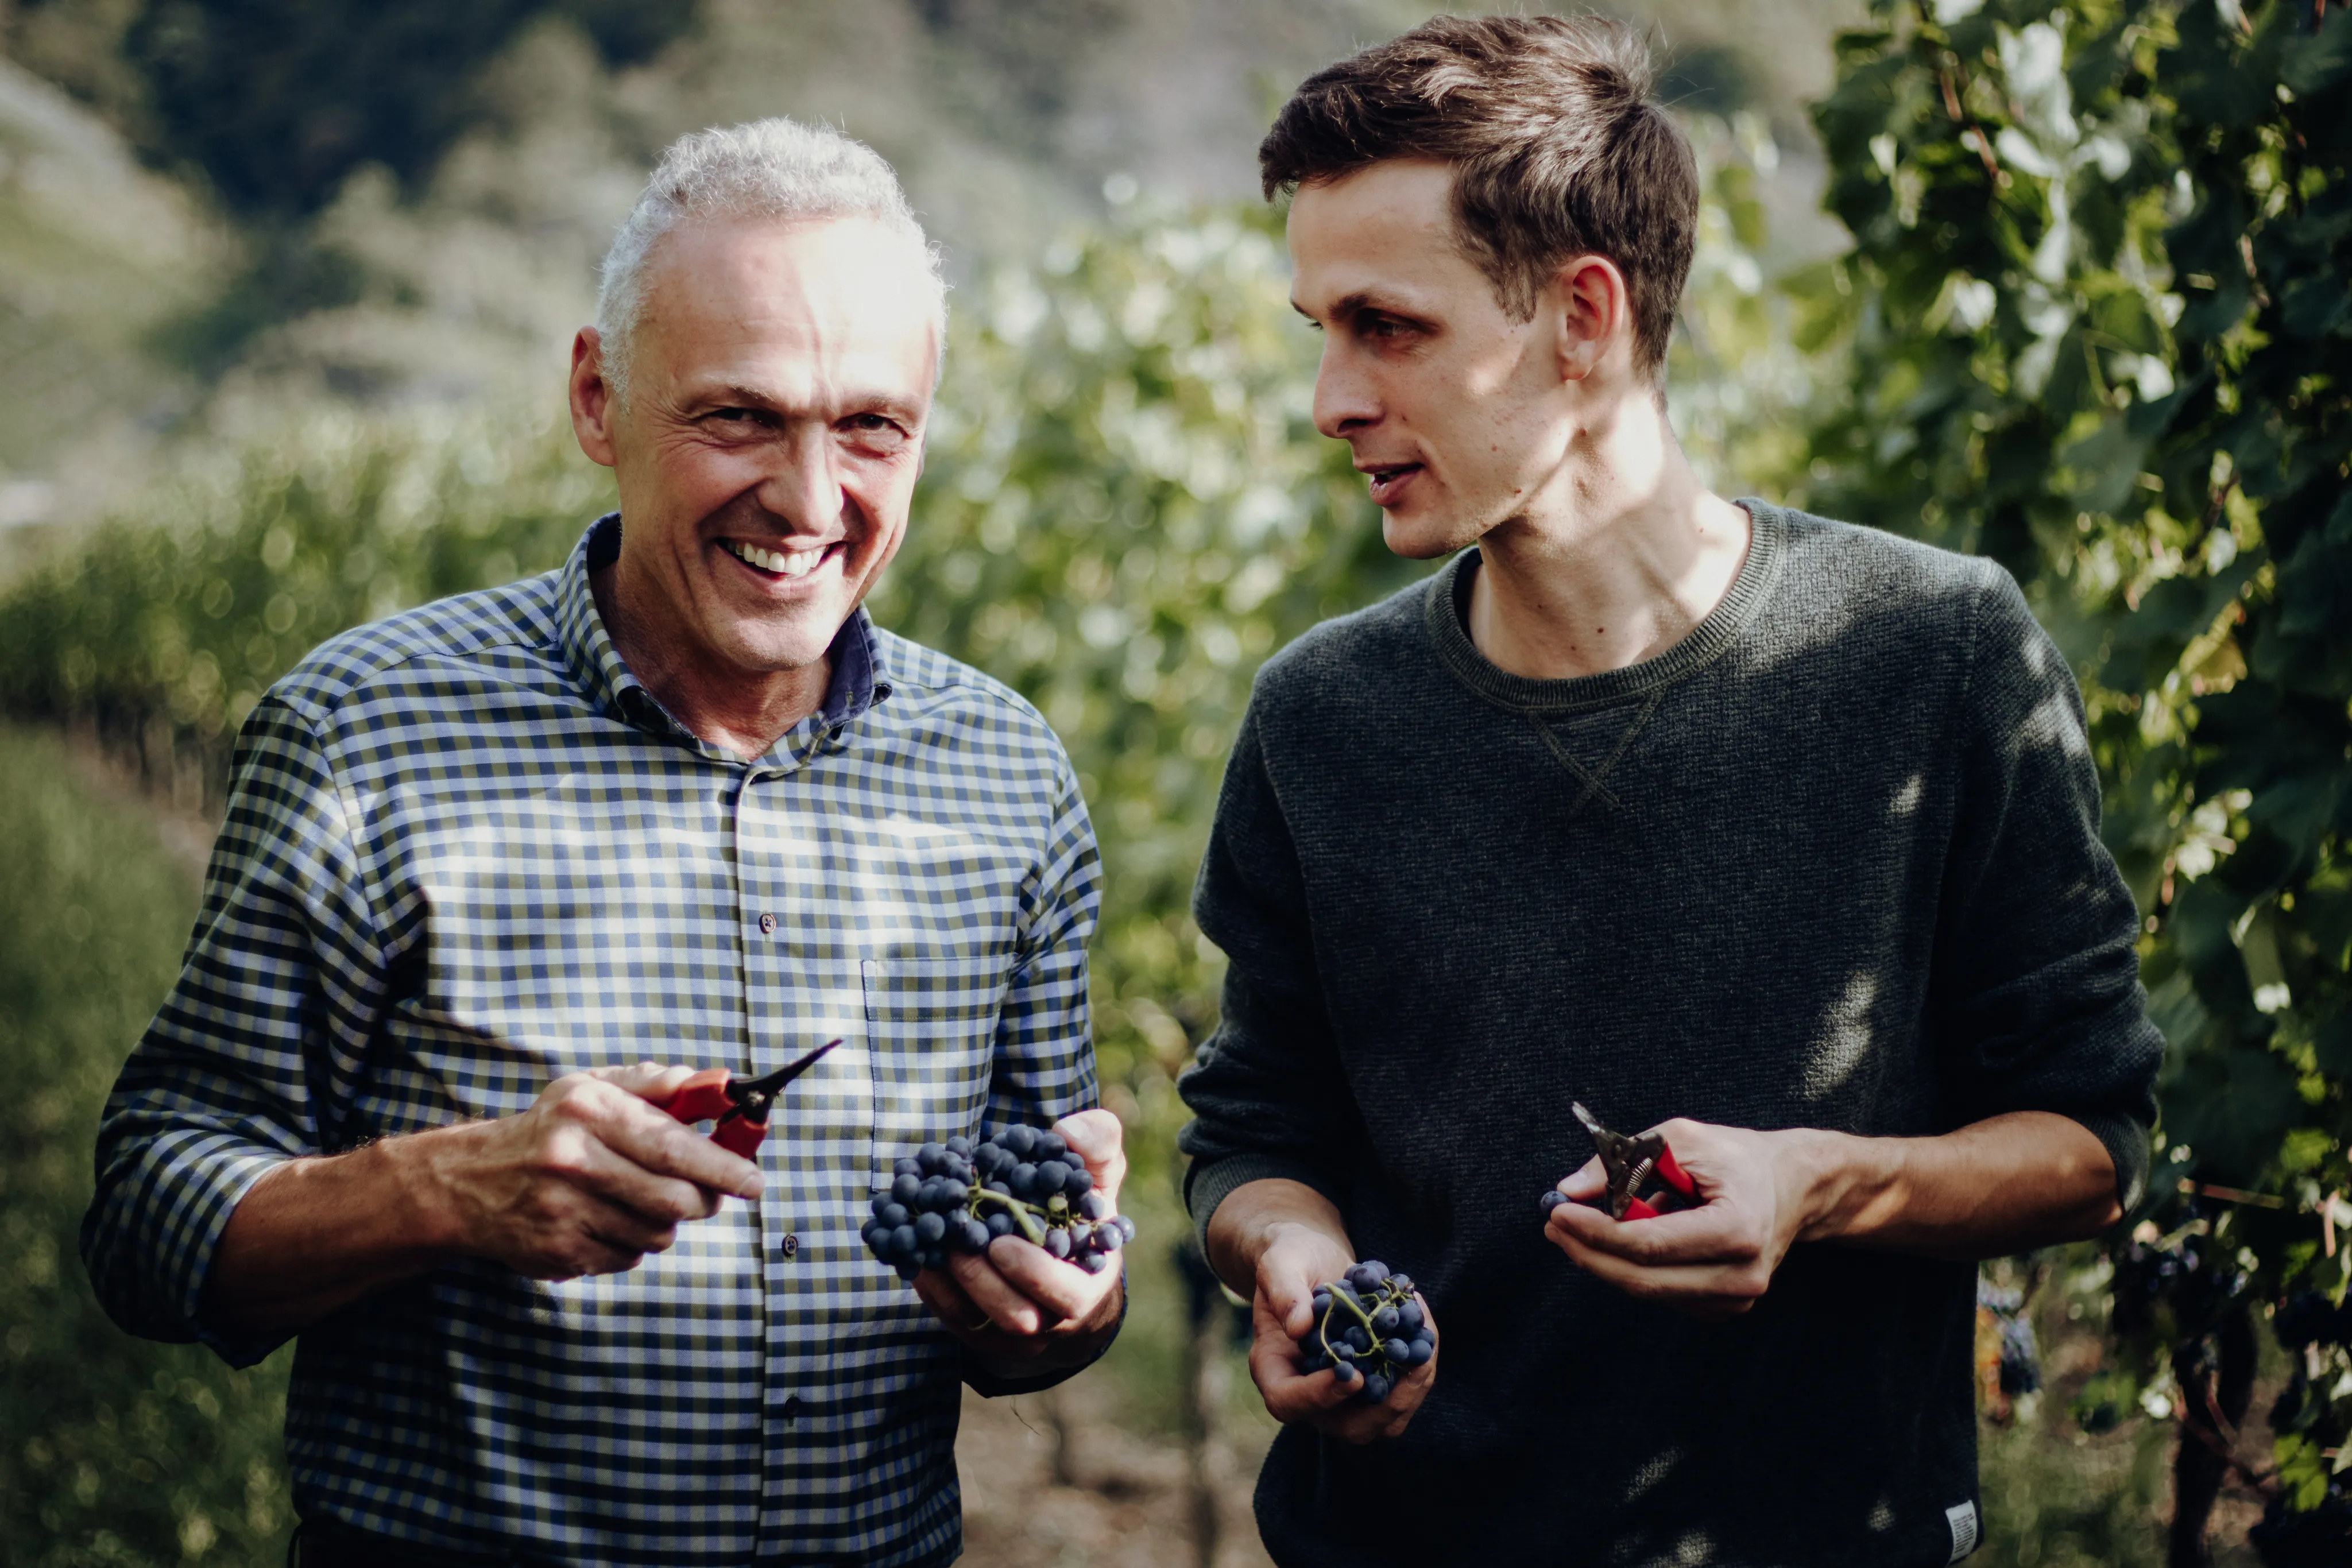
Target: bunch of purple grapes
[(1367, 1329), (959, 1195)]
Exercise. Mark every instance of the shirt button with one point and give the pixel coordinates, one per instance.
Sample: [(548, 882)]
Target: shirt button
[(792, 1245), (767, 925)]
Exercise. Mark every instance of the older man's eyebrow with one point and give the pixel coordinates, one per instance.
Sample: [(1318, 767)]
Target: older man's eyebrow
[(852, 400)]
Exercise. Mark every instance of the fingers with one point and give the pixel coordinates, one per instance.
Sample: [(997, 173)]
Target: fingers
[(1588, 1181), (649, 1080), (1711, 1288), (1099, 1139), (1711, 1233), (1321, 1399), (1288, 1273), (994, 1297), (1061, 1292), (649, 1138)]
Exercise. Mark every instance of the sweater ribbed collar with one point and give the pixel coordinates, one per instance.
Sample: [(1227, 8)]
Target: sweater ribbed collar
[(1445, 607)]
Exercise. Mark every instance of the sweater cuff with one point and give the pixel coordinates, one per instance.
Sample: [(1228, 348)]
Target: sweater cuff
[(1209, 1183), (2127, 1145)]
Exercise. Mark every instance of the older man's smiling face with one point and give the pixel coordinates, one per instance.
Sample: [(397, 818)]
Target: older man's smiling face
[(780, 377)]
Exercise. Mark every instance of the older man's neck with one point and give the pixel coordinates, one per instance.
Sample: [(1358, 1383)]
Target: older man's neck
[(743, 713), (1623, 552)]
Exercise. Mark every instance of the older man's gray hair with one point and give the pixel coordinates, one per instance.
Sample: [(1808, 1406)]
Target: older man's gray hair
[(769, 169)]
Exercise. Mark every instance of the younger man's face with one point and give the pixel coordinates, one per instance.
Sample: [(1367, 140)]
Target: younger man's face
[(1453, 409)]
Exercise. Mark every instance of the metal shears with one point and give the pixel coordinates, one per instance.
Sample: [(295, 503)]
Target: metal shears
[(1630, 1164), (738, 1106)]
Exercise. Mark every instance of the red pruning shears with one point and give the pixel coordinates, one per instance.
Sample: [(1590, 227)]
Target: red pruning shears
[(739, 1105), (1629, 1163)]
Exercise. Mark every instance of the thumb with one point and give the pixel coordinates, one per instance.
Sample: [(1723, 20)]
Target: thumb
[(1284, 1277), (1589, 1182), (1097, 1138), (651, 1081)]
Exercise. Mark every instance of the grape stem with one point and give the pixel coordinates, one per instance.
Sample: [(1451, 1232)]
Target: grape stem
[(1022, 1213), (1344, 1295)]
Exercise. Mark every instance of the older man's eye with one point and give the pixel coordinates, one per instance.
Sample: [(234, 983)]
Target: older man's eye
[(875, 429)]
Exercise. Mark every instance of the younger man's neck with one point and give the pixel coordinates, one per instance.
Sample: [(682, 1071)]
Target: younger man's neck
[(1616, 562)]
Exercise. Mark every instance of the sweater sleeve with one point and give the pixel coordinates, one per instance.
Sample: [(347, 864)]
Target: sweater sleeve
[(1268, 1090), (2034, 1001)]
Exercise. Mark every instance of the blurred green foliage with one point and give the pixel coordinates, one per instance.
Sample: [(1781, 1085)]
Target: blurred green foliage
[(2101, 331), (112, 1451), (162, 631)]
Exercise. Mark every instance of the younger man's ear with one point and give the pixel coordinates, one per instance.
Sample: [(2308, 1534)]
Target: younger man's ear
[(1593, 309)]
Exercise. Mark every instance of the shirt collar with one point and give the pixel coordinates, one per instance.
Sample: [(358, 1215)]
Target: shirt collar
[(857, 670)]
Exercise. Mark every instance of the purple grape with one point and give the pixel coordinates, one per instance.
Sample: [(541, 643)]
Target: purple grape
[(976, 1234), (1018, 1141), (930, 1228), (1057, 1242)]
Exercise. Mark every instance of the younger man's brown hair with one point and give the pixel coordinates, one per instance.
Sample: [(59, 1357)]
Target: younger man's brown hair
[(1558, 147)]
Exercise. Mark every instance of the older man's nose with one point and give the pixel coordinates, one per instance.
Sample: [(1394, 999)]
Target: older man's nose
[(803, 484)]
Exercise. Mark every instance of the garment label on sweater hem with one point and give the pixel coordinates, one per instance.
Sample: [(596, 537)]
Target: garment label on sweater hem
[(1962, 1517)]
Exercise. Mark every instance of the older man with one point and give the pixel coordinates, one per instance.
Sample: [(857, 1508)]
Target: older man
[(679, 801)]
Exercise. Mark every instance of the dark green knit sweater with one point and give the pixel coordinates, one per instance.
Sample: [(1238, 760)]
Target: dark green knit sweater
[(1831, 862)]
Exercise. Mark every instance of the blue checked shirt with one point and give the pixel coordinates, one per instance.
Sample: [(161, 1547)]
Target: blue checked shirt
[(466, 852)]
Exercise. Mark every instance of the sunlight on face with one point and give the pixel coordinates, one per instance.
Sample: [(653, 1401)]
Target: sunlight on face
[(1453, 409), (767, 456)]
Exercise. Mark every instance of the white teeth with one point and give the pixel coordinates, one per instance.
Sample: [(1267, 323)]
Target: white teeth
[(796, 563)]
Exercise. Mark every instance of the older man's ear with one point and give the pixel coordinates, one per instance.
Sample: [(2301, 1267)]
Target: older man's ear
[(592, 397)]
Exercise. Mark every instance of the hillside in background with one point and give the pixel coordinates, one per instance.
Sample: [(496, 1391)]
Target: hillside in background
[(211, 210)]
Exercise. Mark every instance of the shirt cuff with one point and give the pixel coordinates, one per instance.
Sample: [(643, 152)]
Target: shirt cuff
[(991, 1385)]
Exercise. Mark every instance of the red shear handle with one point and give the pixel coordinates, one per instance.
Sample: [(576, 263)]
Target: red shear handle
[(1672, 1173), (739, 1135), (701, 1098), (704, 1098)]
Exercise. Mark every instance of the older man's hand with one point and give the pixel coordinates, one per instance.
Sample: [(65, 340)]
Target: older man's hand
[(1018, 1305), (588, 1180)]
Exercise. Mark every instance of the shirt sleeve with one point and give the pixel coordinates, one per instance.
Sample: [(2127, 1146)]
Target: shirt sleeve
[(1267, 1093), (1044, 1067), (253, 1058), (2034, 1000)]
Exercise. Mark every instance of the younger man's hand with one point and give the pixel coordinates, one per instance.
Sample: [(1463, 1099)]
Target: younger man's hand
[(1296, 1260), (1713, 1261), (1024, 1309)]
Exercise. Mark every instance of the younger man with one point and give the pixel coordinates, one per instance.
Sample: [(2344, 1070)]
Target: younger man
[(1776, 835)]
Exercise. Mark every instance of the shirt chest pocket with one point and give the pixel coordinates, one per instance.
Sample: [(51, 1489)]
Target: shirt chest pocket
[(930, 1028)]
